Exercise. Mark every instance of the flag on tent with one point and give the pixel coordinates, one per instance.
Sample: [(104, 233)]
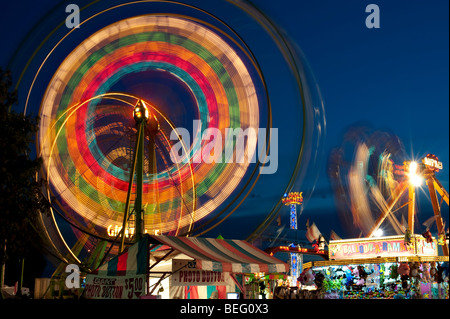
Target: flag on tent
[(334, 236), (312, 232), (429, 222)]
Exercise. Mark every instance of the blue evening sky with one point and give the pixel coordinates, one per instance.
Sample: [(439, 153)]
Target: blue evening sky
[(394, 78)]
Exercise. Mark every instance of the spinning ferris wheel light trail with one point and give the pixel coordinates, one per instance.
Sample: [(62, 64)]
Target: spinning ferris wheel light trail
[(85, 83), (95, 187)]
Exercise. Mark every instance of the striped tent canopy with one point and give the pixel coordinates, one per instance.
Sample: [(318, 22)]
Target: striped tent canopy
[(225, 255), (132, 261)]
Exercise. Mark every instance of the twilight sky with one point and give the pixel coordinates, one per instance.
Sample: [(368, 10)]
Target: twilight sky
[(392, 79)]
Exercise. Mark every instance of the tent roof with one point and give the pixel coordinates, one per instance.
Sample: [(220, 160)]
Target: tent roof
[(224, 255)]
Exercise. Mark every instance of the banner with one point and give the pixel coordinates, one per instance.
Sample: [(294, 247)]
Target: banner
[(124, 287), (423, 248), (393, 246), (188, 275), (123, 277)]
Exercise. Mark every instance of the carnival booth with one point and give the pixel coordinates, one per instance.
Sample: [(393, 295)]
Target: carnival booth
[(181, 268), (380, 268)]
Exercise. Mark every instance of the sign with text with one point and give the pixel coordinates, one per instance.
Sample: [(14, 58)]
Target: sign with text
[(393, 246), (119, 287), (293, 198), (432, 162), (188, 275), (426, 249)]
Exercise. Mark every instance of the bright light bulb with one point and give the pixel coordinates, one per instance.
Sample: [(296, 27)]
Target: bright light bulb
[(413, 168), (378, 232), (140, 112), (414, 178)]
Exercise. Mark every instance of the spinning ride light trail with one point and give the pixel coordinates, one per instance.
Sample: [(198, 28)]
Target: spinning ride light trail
[(374, 189), (415, 173), (88, 177), (366, 176), (191, 65), (179, 181)]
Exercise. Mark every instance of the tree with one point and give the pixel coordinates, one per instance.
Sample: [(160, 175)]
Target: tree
[(21, 199)]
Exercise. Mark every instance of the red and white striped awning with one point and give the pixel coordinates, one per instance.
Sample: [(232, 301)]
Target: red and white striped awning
[(226, 255)]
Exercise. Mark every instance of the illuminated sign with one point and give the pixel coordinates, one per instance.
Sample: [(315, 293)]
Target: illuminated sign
[(294, 269), (392, 246), (293, 198), (293, 219), (113, 231), (432, 162), (191, 276)]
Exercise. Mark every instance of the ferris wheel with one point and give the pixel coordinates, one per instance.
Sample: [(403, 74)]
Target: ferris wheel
[(194, 73), (85, 143)]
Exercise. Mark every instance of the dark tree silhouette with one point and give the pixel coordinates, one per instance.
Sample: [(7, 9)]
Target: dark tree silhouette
[(21, 199)]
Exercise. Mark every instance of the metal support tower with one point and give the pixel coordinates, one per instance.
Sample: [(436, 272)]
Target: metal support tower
[(415, 172), (141, 116)]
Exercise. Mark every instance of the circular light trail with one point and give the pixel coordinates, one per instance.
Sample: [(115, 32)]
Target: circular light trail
[(189, 65), (91, 181)]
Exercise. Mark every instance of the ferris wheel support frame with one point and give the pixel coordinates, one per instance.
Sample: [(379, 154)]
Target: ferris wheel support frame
[(141, 116)]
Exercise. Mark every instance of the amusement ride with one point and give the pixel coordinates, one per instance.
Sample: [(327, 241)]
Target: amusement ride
[(118, 95)]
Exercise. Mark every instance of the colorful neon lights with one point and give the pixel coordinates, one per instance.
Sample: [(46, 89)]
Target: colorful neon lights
[(432, 162), (295, 198), (90, 177)]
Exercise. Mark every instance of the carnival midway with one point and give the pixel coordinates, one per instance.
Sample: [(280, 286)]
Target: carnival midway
[(177, 163), (409, 266)]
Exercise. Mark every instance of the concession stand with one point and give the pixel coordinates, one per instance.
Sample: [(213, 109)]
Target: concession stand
[(167, 267), (382, 268)]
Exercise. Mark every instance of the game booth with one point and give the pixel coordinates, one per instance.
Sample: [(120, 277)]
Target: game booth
[(379, 268), (166, 267)]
